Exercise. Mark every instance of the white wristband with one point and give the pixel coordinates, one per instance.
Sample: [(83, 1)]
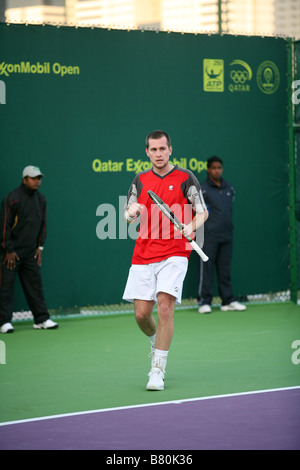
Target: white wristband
[(41, 248), (129, 218)]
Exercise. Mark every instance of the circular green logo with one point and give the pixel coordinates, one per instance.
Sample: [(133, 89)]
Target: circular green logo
[(268, 77)]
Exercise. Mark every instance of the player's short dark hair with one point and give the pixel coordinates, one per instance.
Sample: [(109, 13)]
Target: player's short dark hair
[(212, 160), (158, 135)]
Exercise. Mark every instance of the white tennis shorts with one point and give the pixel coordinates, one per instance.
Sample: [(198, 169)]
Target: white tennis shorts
[(145, 281)]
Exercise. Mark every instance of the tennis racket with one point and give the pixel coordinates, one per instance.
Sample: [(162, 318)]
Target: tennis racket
[(172, 217)]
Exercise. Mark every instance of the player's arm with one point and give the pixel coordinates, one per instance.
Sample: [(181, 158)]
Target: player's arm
[(132, 208), (196, 223), (195, 197)]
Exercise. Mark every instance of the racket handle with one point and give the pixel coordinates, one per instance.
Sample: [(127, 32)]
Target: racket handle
[(199, 251)]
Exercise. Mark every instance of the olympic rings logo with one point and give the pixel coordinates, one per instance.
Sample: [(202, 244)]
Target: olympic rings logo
[(239, 76)]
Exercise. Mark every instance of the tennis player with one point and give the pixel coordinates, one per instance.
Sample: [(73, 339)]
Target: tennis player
[(160, 257)]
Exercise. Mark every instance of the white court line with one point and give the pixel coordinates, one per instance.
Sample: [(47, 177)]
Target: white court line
[(129, 407)]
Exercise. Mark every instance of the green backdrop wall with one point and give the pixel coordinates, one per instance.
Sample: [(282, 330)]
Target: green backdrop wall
[(296, 91), (79, 103)]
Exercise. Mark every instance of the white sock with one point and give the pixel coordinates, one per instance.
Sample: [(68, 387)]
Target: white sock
[(152, 340), (161, 353), (160, 358)]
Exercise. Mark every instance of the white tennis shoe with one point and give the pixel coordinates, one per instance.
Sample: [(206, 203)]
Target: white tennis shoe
[(46, 325), (233, 306), (7, 328), (156, 379)]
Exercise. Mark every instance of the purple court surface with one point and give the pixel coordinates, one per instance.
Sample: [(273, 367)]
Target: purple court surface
[(263, 420)]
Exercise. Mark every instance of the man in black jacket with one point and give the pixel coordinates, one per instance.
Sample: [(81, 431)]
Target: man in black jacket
[(218, 234), (22, 238)]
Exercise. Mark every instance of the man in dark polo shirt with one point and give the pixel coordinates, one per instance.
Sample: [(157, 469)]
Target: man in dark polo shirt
[(22, 238), (218, 236)]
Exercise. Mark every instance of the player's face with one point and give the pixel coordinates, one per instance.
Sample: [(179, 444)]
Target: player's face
[(215, 171), (159, 153)]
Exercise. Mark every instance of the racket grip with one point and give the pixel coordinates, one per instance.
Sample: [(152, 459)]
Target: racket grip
[(199, 251)]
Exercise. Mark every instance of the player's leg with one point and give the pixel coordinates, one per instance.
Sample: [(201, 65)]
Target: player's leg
[(165, 314), (140, 289), (143, 310), (170, 276), (164, 335)]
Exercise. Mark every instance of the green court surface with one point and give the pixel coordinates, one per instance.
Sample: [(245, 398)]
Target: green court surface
[(92, 363)]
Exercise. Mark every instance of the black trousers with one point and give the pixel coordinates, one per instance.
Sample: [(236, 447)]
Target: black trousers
[(220, 256), (31, 281)]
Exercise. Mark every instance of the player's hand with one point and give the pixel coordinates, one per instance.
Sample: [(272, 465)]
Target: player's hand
[(135, 209), (11, 259), (187, 230)]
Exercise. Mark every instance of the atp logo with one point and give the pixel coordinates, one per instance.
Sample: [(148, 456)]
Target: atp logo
[(241, 75), (2, 92), (213, 75)]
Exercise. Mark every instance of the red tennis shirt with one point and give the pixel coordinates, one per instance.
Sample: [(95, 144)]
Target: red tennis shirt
[(157, 239)]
